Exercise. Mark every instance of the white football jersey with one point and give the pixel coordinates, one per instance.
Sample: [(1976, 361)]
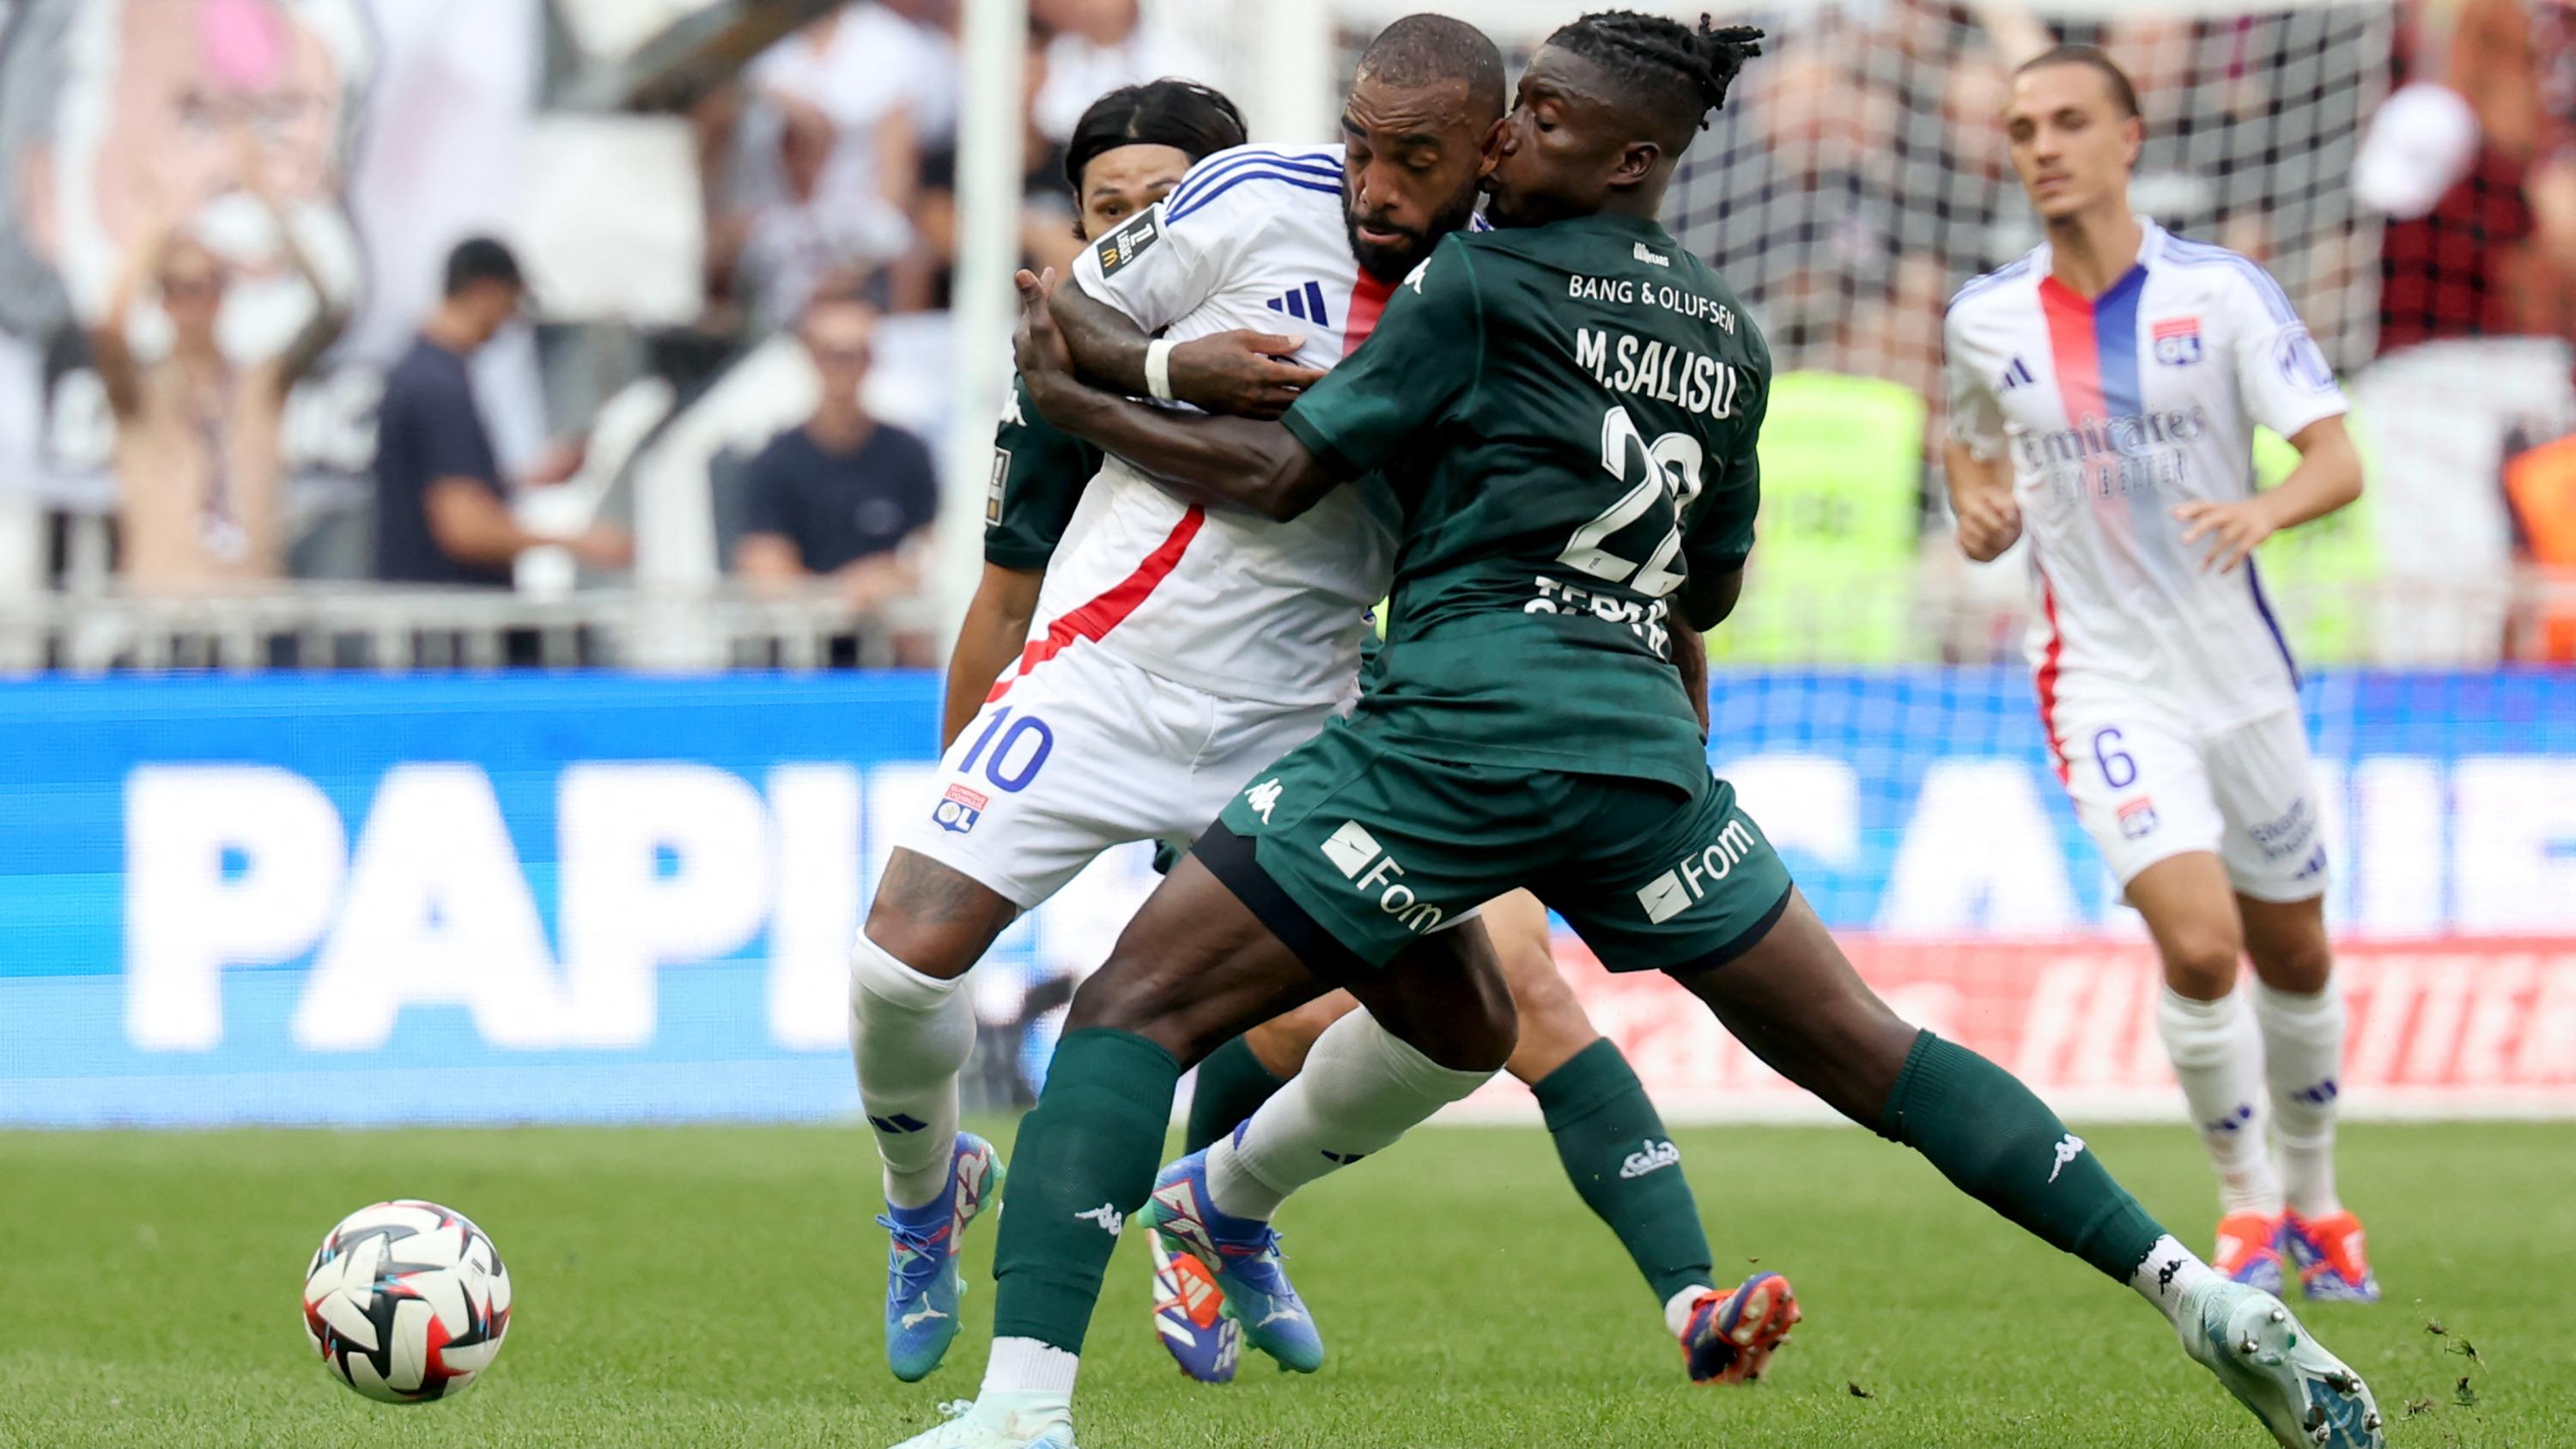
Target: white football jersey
[(1222, 600), (2115, 411)]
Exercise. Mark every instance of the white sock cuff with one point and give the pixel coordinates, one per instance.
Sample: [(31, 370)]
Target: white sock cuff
[(1404, 1063), (1027, 1366), (2174, 1004), (2282, 1005), (1677, 1309), (875, 970)]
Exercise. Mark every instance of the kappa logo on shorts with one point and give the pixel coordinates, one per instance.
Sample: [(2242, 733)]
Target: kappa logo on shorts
[(959, 809), (1354, 852), (1264, 798), (2138, 819), (1685, 885)]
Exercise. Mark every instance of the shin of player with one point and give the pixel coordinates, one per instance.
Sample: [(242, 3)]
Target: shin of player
[(1608, 1136), (2104, 390)]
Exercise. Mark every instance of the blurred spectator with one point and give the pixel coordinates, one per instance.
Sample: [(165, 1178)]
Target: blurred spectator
[(791, 244), (1099, 46), (1046, 198), (848, 86), (841, 501), (442, 513), (198, 438)]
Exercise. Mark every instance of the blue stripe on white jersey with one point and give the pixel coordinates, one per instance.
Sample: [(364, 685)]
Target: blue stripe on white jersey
[(2203, 254), (1322, 165), (1202, 200)]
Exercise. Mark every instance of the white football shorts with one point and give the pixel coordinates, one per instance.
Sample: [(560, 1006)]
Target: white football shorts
[(1087, 751), (2146, 789)]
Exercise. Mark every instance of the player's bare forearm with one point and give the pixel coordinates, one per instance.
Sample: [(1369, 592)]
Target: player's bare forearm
[(995, 629), (1108, 347), (1690, 656), (1982, 502), (1241, 462), (2328, 476), (1242, 372)]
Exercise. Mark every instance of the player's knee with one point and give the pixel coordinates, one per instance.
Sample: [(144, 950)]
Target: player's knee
[(1552, 1023), (934, 919), (1477, 1030), (1281, 1043), (2200, 960), (2303, 965)]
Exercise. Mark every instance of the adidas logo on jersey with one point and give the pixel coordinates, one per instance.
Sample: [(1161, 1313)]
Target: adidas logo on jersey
[(1654, 1158), (1305, 303), (2017, 375)]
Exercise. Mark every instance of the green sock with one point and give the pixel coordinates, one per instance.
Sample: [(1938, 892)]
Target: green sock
[(2001, 1145), (1232, 1086), (1624, 1164), (1085, 1159)]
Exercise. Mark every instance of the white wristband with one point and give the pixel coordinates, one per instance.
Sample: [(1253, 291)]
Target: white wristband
[(1158, 368)]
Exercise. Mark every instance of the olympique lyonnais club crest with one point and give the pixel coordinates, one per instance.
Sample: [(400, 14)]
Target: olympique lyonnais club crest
[(960, 808), (2138, 817), (2178, 341)]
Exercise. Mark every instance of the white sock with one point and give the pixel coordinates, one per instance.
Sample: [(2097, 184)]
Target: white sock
[(1361, 1089), (1027, 1366), (2168, 1275), (1677, 1309), (2219, 1060), (2303, 1056), (909, 1034)]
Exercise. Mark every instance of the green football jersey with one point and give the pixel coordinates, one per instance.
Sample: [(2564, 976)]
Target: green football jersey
[(1567, 414), (1038, 476)]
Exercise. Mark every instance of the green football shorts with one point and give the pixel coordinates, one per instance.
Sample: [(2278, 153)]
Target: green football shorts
[(1374, 846)]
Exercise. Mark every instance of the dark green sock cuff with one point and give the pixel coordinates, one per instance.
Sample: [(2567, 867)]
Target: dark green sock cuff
[(1590, 1080), (1127, 1058), (1924, 1069)]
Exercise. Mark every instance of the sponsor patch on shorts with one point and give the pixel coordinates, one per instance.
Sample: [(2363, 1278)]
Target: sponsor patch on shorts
[(2137, 819), (959, 809)]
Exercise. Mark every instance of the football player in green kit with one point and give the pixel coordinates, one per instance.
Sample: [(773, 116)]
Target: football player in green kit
[(1567, 408)]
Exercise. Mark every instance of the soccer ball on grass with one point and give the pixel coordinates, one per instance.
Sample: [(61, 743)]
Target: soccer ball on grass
[(406, 1302)]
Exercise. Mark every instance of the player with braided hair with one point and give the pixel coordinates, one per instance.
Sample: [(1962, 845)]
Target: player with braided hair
[(1567, 408)]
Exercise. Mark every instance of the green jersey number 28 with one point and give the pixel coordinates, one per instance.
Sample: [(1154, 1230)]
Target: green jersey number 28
[(1668, 474)]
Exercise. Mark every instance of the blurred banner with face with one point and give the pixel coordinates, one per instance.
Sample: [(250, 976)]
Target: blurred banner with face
[(374, 132)]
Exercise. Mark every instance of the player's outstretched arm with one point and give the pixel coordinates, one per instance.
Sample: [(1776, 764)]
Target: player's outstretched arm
[(1230, 460), (1242, 372), (1981, 497), (2328, 477)]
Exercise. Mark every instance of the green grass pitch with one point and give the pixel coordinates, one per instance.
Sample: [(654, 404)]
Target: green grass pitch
[(717, 1286)]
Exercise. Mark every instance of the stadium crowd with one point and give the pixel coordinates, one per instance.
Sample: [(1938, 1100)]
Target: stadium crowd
[(2428, 237)]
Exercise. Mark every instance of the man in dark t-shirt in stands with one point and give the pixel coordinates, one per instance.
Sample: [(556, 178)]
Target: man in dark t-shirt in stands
[(841, 501), (442, 511)]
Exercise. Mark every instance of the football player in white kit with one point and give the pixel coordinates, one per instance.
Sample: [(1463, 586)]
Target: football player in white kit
[(2103, 392), (1184, 650)]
